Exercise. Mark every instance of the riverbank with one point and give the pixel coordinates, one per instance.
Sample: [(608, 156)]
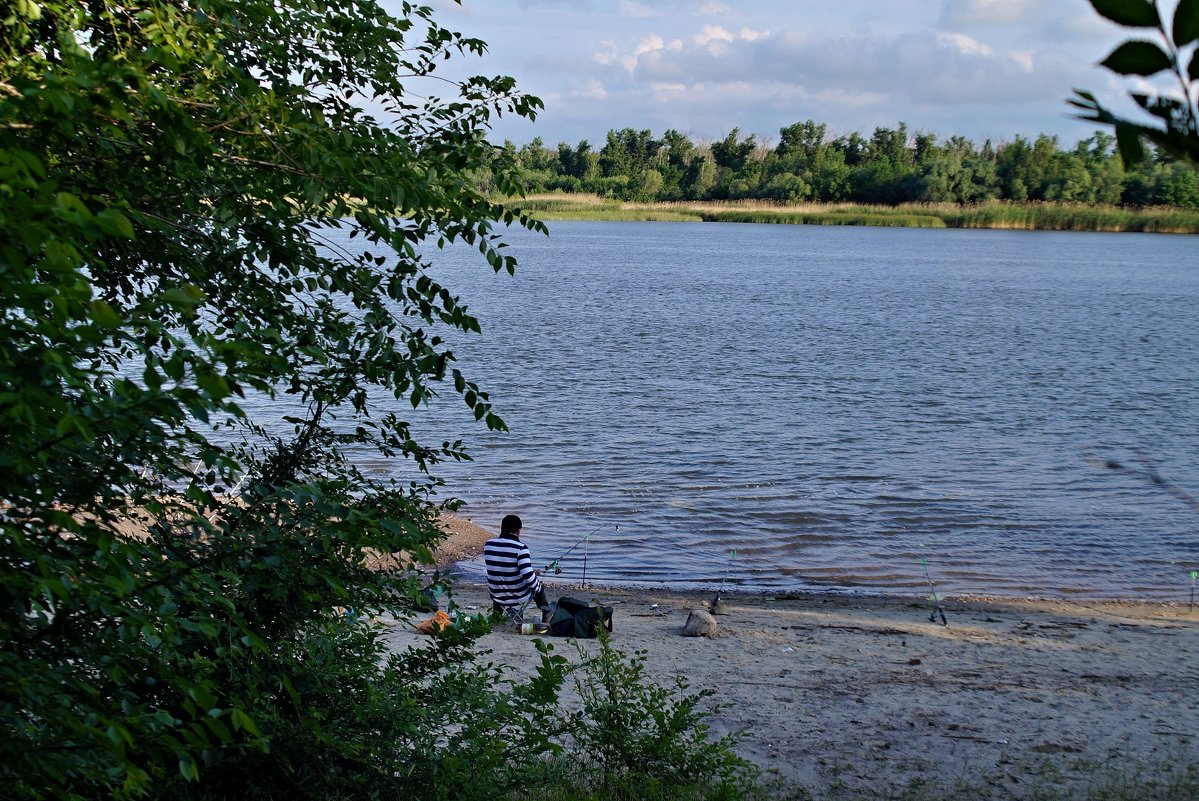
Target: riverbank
[(847, 695), (992, 214)]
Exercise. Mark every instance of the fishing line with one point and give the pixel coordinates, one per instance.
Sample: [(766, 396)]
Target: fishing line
[(720, 591), (937, 610), (556, 564)]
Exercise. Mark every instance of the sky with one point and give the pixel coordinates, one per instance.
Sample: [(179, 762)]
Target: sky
[(984, 69)]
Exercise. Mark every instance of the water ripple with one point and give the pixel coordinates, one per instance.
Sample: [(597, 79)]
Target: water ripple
[(837, 404)]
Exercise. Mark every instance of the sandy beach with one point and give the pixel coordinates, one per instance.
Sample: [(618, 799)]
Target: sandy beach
[(842, 693)]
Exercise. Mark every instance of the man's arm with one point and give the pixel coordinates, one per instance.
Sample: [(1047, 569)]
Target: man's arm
[(524, 563)]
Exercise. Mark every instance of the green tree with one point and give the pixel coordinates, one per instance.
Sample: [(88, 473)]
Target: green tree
[(535, 156), (171, 176), (732, 153), (699, 177), (1024, 169), (853, 147), (802, 141), (674, 158), (1177, 185), (736, 173), (574, 161)]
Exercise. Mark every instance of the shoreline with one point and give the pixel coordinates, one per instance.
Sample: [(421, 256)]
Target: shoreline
[(991, 215), (465, 538), (857, 694), (862, 694)]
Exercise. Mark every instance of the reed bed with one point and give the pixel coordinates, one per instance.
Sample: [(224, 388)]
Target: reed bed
[(1073, 217), (840, 217), (992, 214)]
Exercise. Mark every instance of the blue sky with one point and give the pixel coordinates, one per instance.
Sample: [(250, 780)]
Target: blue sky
[(980, 68)]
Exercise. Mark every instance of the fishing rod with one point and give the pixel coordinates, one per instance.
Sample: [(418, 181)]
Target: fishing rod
[(556, 565), (1194, 577), (932, 617), (715, 605)]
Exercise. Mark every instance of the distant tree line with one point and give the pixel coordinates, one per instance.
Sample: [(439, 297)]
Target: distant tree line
[(891, 166)]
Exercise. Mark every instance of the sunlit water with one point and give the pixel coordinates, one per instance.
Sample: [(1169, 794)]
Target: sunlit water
[(836, 405)]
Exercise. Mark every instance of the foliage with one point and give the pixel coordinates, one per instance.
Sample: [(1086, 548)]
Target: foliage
[(170, 563), (892, 166), (638, 738), (1176, 118)]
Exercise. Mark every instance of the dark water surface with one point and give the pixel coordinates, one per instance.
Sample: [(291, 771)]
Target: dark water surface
[(835, 404)]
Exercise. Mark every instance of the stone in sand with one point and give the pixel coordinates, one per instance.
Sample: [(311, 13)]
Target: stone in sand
[(700, 623)]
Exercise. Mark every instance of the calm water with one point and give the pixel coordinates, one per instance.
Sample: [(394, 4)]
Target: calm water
[(836, 404)]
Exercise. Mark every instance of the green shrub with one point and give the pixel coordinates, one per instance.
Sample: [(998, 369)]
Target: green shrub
[(633, 738)]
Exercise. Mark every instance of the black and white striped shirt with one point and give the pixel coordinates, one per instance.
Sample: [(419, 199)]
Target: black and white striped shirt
[(510, 576)]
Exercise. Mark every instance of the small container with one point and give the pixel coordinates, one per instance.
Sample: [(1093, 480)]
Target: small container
[(526, 628)]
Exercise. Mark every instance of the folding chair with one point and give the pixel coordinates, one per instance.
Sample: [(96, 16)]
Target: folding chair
[(514, 614)]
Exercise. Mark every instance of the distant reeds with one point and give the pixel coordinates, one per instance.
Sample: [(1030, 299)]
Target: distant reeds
[(1072, 217), (846, 217), (992, 214)]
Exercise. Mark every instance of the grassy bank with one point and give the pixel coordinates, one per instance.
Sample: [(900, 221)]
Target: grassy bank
[(995, 214)]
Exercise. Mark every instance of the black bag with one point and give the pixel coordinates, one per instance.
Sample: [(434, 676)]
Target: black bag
[(575, 618)]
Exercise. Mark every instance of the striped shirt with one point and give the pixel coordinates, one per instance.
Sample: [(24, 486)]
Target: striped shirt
[(510, 576)]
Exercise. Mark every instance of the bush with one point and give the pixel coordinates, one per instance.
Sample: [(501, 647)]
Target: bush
[(633, 738)]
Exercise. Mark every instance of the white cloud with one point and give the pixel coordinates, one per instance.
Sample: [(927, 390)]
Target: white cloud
[(609, 54), (662, 89), (965, 44), (649, 44), (966, 13), (1025, 58), (630, 8), (911, 69), (713, 33), (593, 90), (974, 67)]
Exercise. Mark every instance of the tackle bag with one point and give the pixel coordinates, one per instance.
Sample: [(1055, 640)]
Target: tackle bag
[(575, 618)]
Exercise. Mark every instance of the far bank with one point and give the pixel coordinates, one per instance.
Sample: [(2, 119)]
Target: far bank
[(992, 214)]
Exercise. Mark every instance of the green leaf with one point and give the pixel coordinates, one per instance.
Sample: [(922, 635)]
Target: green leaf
[(1128, 140), (1130, 13), (114, 223), (1137, 58), (104, 315), (243, 722), (1186, 22), (1193, 69), (188, 769), (184, 297)]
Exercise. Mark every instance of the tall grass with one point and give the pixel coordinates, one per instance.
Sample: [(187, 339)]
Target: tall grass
[(846, 217), (1072, 217), (993, 214)]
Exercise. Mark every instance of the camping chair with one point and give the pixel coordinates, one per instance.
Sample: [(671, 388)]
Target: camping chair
[(514, 613)]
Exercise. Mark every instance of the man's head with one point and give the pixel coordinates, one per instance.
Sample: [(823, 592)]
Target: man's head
[(510, 527)]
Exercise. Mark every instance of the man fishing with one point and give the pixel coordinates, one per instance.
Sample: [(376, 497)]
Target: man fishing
[(511, 579)]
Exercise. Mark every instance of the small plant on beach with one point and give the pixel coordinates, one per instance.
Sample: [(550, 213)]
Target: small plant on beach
[(633, 738)]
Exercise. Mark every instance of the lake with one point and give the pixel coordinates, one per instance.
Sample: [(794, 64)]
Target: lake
[(836, 405)]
